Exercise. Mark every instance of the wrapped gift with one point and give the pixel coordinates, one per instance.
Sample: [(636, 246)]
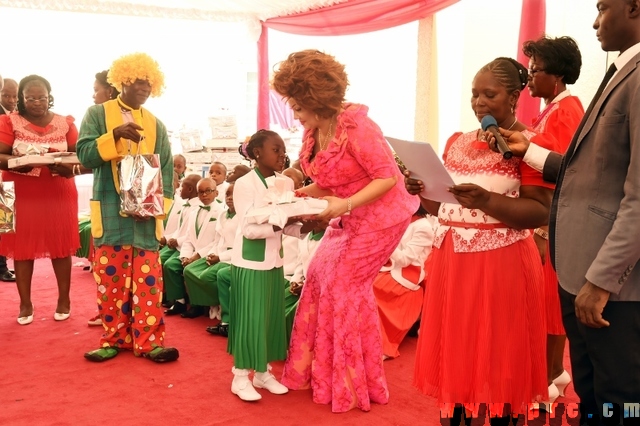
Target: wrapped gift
[(7, 212), (38, 160), (280, 204), (141, 192)]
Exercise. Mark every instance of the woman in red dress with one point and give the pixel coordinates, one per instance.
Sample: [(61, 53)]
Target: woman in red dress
[(482, 336), (554, 63), (46, 208)]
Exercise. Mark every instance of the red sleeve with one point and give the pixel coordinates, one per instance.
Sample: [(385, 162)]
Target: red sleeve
[(450, 141), (563, 122), (531, 177), (6, 130), (72, 134)]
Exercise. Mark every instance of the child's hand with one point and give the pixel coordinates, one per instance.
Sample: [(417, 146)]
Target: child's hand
[(295, 289), (212, 259), (172, 243)]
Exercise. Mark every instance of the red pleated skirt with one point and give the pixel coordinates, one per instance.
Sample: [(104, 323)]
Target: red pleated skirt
[(398, 308), (46, 217), (552, 298), (483, 332)]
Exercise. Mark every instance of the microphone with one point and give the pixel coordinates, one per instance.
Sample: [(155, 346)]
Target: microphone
[(489, 123)]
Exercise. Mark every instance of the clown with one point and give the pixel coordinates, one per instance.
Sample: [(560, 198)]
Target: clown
[(127, 266)]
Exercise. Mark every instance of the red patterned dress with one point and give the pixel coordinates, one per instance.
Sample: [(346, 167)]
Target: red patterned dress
[(482, 336), (46, 208), (560, 119), (335, 346)]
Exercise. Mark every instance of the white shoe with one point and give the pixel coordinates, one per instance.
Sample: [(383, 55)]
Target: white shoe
[(562, 381), (61, 317), (268, 381), (242, 386), (28, 319), (547, 405)]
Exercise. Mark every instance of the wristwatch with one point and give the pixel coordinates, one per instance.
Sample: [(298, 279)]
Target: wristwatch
[(541, 233)]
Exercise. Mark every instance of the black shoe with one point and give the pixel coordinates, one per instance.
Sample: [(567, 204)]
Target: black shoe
[(193, 312), (167, 303), (162, 354), (176, 309), (219, 330), (7, 276)]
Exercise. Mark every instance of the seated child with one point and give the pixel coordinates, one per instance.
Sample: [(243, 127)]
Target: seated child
[(290, 244), (170, 253), (198, 241), (306, 248), (179, 165), (237, 172), (397, 287), (201, 276), (218, 172)]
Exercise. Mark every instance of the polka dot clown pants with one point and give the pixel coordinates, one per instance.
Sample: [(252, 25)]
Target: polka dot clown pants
[(129, 297)]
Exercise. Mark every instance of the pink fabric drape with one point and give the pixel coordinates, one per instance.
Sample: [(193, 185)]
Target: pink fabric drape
[(532, 26), (351, 17)]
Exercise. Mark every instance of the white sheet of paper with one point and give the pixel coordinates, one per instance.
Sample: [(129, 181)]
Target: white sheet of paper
[(423, 163)]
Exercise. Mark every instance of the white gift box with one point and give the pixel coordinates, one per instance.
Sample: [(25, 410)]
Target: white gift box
[(44, 159), (279, 214)]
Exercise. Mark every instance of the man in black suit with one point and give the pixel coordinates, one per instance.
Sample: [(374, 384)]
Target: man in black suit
[(8, 102)]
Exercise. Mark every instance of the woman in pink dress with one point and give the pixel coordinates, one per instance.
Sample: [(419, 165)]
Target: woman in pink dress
[(482, 335), (46, 208), (554, 63), (336, 345)]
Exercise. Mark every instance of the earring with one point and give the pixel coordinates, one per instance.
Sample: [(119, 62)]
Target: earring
[(317, 118), (555, 89), (512, 109)]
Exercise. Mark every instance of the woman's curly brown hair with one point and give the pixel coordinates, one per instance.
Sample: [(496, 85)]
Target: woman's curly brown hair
[(315, 80)]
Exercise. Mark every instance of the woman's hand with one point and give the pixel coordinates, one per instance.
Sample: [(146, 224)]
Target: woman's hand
[(212, 259), (337, 207), (22, 169), (541, 243), (295, 289), (470, 196), (64, 170), (413, 186), (128, 131)]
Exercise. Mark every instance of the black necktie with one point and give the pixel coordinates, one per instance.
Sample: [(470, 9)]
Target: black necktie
[(610, 72)]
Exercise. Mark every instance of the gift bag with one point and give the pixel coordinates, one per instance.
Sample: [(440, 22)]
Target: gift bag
[(7, 210), (141, 192)]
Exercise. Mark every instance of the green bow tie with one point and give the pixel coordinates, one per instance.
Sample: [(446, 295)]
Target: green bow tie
[(230, 215), (186, 204), (207, 208)]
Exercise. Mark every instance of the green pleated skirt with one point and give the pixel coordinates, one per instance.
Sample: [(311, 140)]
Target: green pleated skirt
[(257, 333)]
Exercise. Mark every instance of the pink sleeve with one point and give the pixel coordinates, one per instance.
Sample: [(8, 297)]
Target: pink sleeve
[(6, 130), (371, 150)]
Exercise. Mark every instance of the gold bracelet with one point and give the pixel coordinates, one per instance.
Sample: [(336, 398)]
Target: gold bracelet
[(541, 233), (76, 170), (348, 205)]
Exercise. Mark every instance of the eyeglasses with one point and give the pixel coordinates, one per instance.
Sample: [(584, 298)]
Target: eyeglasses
[(207, 192), (533, 72), (42, 100)]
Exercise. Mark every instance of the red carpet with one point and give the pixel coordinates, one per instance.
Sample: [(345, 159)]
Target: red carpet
[(46, 381)]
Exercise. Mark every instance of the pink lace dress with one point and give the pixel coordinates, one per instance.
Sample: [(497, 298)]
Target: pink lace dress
[(336, 347)]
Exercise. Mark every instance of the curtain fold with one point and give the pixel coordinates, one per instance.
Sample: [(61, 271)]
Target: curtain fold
[(532, 26), (350, 17)]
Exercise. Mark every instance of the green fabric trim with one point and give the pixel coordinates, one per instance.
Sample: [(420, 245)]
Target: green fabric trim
[(316, 237), (254, 250), (261, 177)]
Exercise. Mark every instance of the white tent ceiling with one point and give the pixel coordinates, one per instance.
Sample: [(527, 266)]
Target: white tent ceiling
[(212, 10)]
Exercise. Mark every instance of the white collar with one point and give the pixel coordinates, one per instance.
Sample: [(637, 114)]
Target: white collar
[(560, 96), (626, 56)]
